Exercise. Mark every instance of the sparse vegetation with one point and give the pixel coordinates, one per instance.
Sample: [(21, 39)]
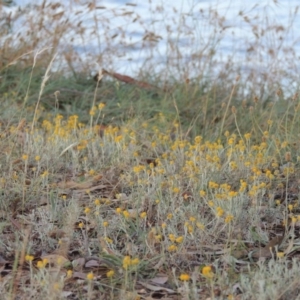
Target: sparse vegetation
[(177, 188)]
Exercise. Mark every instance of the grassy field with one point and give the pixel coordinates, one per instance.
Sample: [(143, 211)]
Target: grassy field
[(188, 189)]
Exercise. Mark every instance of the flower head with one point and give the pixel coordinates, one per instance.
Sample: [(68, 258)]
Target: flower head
[(90, 276), (184, 277), (110, 274), (207, 272)]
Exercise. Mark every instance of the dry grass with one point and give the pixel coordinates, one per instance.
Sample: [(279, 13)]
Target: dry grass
[(187, 190)]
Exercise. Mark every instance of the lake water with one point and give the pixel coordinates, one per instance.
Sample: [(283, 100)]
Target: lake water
[(260, 39)]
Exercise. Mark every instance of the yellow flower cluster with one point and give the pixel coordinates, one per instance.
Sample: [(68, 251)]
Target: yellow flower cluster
[(128, 262)]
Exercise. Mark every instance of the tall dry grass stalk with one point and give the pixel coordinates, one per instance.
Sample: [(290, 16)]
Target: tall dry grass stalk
[(117, 36), (45, 78)]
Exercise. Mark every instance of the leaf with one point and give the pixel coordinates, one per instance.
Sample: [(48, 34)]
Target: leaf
[(57, 233), (78, 263), (92, 263), (275, 242), (156, 288), (94, 188), (159, 279), (69, 147), (79, 275), (160, 263), (75, 185), (267, 250), (97, 177)]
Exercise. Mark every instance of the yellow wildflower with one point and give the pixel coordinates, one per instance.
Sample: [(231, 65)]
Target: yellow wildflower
[(207, 272), (118, 210), (135, 261), (110, 274), (172, 237), (280, 254), (29, 257), (90, 276), (126, 214), (80, 225), (179, 240), (184, 277), (126, 262), (143, 215), (101, 106), (172, 248)]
